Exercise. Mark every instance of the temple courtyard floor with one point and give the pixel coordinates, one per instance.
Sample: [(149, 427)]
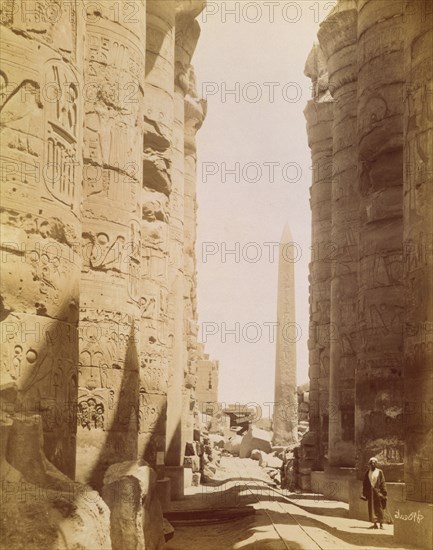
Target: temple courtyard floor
[(244, 511)]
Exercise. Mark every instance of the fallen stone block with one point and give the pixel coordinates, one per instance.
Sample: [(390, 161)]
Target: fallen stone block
[(278, 450), (233, 445), (255, 439), (269, 461), (190, 449), (208, 449), (256, 454), (192, 462), (217, 440)]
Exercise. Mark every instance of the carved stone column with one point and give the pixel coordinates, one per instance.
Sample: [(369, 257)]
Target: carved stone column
[(195, 112), (174, 451), (109, 411), (338, 39), (379, 376), (187, 33), (319, 116), (418, 249), (41, 80), (156, 341)]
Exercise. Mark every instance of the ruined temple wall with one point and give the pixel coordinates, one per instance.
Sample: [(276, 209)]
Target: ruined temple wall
[(207, 386), (41, 116), (319, 114), (108, 407)]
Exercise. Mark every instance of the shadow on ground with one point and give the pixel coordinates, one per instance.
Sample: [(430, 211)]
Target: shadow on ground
[(293, 529)]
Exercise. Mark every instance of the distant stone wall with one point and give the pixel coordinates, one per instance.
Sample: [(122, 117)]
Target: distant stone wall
[(207, 385)]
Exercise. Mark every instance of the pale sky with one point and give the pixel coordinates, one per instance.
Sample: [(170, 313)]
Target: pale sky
[(262, 46)]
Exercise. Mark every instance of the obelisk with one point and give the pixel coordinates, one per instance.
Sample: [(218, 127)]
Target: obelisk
[(285, 419)]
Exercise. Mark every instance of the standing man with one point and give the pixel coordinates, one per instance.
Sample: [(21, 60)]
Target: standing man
[(374, 492)]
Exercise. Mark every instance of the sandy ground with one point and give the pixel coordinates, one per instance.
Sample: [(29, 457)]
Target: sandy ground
[(278, 523)]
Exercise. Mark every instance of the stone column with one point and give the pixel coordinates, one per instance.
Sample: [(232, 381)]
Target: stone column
[(108, 401), (174, 450), (156, 342), (379, 376), (338, 39), (319, 116), (418, 249), (136, 516), (41, 81), (285, 416), (195, 112), (187, 33)]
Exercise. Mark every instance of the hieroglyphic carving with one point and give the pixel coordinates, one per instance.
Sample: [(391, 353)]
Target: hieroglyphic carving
[(62, 112), (152, 412), (53, 22), (90, 414)]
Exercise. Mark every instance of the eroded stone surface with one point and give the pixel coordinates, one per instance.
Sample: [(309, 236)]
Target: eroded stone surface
[(136, 514), (41, 507)]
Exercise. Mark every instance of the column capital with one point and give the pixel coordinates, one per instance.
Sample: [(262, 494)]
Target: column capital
[(187, 35), (338, 38), (195, 112), (339, 29), (316, 69)]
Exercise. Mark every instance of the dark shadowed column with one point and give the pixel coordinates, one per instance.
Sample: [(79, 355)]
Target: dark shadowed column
[(418, 242), (418, 273), (379, 376)]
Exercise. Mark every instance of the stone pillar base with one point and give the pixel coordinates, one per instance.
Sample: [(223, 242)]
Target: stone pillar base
[(333, 483), (358, 508), (175, 473), (163, 492)]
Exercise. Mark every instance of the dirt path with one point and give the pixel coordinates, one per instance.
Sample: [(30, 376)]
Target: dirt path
[(278, 524)]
